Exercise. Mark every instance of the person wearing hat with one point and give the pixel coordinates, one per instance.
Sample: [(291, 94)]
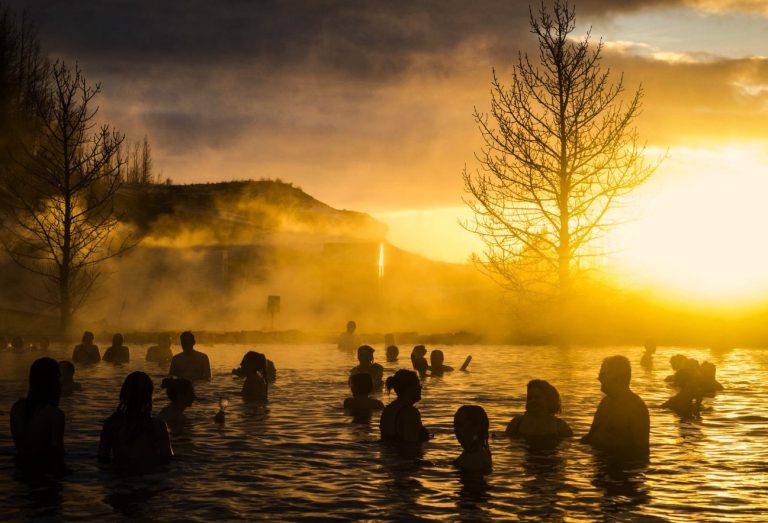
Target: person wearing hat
[(365, 357)]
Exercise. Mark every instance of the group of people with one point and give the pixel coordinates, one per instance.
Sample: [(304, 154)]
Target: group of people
[(132, 435)]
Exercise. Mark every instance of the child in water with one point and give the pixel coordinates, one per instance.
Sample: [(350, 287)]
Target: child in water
[(471, 426), (542, 404), (68, 383), (419, 361), (360, 405), (182, 394), (400, 420), (436, 359), (254, 369), (131, 437)]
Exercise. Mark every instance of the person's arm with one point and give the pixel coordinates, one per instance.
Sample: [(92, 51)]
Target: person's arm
[(172, 370), (640, 428), (207, 368), (597, 421), (563, 429), (513, 427), (163, 448), (410, 427)]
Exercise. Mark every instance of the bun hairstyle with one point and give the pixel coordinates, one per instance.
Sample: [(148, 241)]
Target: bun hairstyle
[(177, 388), (402, 381)]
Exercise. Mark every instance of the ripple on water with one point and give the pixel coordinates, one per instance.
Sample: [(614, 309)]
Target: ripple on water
[(302, 458)]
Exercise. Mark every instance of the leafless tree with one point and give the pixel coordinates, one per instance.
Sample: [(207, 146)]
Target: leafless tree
[(560, 150), (62, 218)]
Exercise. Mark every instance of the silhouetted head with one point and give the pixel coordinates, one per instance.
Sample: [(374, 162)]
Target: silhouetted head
[(187, 340), (471, 426), (615, 373), (406, 384), (436, 358), (67, 370), (87, 337), (361, 384), (542, 398), (708, 370), (677, 362), (254, 362), (44, 384), (650, 346), (419, 351), (136, 394), (365, 354), (351, 326), (179, 390), (17, 342), (392, 352), (117, 340)]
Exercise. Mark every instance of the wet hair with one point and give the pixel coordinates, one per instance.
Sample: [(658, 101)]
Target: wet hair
[(435, 355), (136, 394), (402, 381), (255, 362), (177, 388), (44, 385), (361, 383), (351, 326), (550, 394), (477, 416), (88, 337), (187, 339), (117, 340), (67, 368), (619, 365)]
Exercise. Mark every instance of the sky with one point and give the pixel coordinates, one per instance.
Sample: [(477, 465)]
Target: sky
[(368, 105)]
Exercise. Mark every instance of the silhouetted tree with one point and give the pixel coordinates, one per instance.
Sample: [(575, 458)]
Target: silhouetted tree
[(62, 214), (559, 149), (140, 166)]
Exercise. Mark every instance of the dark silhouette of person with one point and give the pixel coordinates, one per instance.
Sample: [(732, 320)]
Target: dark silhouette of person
[(436, 359), (366, 365), (540, 421), (677, 362), (160, 353), (709, 384), (190, 364), (392, 353), (86, 352), (17, 345), (182, 394), (254, 370), (360, 405), (471, 426), (348, 340), (68, 383), (271, 371), (400, 420), (687, 402), (647, 359), (419, 361), (117, 353), (131, 437), (37, 423), (621, 426)]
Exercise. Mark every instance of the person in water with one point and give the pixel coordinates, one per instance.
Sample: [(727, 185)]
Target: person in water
[(117, 353), (254, 369), (271, 371), (37, 423), (86, 352), (419, 361), (436, 359), (650, 349), (131, 437), (400, 420), (392, 353), (68, 383), (348, 340), (360, 405), (182, 394), (677, 362), (471, 426), (542, 405), (687, 402), (190, 364), (621, 425), (160, 353), (709, 384), (366, 365)]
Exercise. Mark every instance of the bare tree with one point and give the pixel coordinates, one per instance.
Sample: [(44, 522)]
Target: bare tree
[(62, 215), (559, 151)]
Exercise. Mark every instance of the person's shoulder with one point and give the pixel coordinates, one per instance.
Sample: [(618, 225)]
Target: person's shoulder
[(376, 404), (18, 406), (563, 429), (348, 402)]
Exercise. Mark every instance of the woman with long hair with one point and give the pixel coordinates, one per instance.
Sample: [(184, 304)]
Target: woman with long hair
[(400, 420)]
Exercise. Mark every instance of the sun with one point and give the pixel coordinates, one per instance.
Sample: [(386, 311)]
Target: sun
[(697, 229)]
